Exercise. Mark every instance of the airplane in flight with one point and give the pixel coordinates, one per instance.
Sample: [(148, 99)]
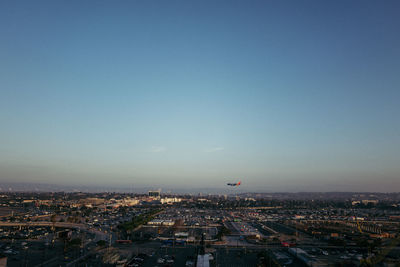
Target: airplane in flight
[(234, 184)]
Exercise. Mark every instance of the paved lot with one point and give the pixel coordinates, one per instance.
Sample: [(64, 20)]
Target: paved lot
[(36, 254), (180, 255), (235, 257)]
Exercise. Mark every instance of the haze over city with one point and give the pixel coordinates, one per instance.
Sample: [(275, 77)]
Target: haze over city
[(195, 94)]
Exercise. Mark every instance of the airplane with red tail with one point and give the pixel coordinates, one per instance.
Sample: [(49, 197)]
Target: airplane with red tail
[(234, 184)]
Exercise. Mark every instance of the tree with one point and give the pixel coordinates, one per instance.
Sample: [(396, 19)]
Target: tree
[(74, 242), (101, 243)]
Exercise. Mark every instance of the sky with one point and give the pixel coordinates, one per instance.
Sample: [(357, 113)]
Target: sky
[(283, 95)]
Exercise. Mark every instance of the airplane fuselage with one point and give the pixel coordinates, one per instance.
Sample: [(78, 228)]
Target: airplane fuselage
[(234, 184)]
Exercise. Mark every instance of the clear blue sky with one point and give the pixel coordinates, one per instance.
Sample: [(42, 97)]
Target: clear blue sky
[(284, 95)]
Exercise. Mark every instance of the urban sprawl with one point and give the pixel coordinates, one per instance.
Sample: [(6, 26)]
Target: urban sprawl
[(160, 229)]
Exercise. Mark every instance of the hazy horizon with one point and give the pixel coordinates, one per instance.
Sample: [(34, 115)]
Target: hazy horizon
[(143, 189), (284, 96)]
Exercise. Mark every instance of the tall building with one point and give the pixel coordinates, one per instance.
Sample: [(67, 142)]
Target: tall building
[(155, 194)]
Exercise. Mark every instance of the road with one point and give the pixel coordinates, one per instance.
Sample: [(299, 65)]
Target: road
[(99, 235)]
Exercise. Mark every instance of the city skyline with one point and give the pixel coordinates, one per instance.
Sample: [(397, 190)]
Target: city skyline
[(284, 96)]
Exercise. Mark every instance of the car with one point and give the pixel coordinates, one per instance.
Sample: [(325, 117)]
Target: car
[(189, 263)]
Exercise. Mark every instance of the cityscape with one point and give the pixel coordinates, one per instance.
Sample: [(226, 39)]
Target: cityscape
[(157, 229), (199, 133)]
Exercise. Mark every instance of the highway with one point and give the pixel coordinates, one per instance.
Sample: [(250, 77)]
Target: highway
[(99, 235)]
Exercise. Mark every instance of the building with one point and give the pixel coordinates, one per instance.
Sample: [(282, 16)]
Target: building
[(3, 261), (370, 201), (155, 194), (170, 200), (161, 222), (203, 260)]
